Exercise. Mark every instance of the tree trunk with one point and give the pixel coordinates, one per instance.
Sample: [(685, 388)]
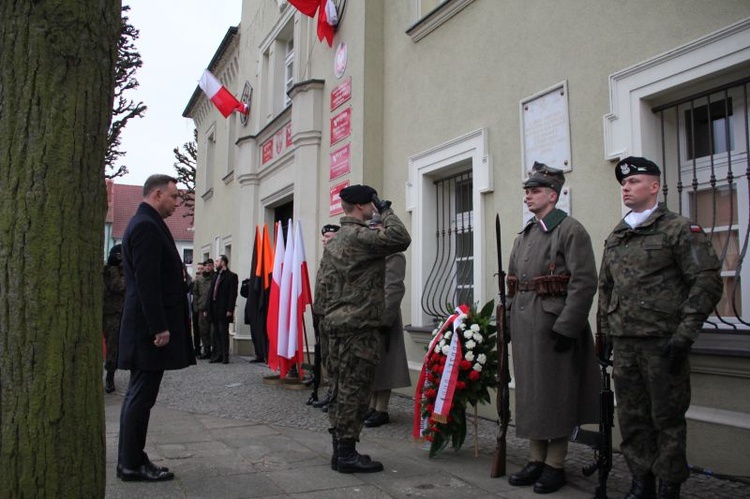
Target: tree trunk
[(57, 59)]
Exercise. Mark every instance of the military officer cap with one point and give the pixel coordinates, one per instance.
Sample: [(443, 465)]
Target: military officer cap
[(545, 176), (633, 165), (358, 194), (329, 228)]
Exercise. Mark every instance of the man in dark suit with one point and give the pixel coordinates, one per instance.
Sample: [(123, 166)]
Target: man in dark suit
[(222, 298), (155, 330)]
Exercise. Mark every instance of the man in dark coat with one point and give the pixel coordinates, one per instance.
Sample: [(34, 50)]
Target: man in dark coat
[(155, 331), (221, 302)]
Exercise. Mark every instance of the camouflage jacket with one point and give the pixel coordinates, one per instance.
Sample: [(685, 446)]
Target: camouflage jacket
[(201, 287), (350, 283), (657, 280), (114, 289)]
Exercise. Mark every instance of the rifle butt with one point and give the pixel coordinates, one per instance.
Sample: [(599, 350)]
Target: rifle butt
[(498, 460)]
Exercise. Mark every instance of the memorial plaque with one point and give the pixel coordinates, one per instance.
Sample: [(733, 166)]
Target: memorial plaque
[(546, 129)]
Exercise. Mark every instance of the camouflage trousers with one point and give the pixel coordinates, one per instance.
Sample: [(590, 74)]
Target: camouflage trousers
[(353, 355), (112, 339), (205, 330), (651, 406)]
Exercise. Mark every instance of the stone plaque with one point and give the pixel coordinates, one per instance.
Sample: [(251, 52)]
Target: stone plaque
[(546, 129)]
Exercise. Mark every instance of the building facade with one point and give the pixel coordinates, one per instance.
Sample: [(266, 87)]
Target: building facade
[(443, 106)]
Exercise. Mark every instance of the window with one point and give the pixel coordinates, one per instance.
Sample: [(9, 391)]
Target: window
[(187, 256), (444, 195), (210, 158), (431, 14), (704, 158), (288, 71), (277, 67), (450, 281)]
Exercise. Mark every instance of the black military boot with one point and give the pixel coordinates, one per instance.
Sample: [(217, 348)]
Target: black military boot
[(643, 487), (109, 382), (350, 461), (335, 456), (528, 475), (669, 490)]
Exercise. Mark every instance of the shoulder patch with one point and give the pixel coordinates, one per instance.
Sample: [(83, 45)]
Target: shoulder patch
[(696, 228)]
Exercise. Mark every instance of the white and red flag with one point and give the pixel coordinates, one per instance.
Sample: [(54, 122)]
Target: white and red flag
[(224, 101), (272, 324), (301, 297), (327, 16), (285, 295)]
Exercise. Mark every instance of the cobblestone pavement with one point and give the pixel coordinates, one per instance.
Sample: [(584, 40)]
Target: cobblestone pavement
[(237, 391)]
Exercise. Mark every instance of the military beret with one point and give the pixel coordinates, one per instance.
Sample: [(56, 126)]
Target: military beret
[(545, 176), (209, 260), (329, 228), (633, 165), (358, 194)]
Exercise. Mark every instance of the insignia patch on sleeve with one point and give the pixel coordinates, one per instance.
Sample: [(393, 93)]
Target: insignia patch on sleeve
[(696, 228)]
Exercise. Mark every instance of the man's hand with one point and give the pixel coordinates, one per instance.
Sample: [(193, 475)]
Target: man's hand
[(562, 343), (161, 339), (380, 204), (676, 352)]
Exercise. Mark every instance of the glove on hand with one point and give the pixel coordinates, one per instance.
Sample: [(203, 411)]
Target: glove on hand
[(562, 343), (380, 204), (676, 351)]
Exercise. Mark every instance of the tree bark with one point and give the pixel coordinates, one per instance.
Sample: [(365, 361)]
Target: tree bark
[(57, 60)]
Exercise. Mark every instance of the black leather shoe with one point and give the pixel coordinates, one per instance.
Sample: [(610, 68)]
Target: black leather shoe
[(643, 487), (550, 481), (528, 474), (324, 401), (109, 383), (377, 419), (669, 490), (225, 359), (214, 360), (149, 464), (370, 413), (257, 360), (145, 473)]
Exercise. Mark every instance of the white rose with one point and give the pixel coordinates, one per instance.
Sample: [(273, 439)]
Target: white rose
[(475, 328), (469, 356), (471, 344), (447, 335), (468, 335), (481, 358), (437, 348), (446, 349), (435, 332), (477, 368)]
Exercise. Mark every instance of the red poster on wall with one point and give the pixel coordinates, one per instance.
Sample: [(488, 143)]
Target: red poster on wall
[(335, 206), (340, 161), (288, 129), (341, 125), (266, 151), (341, 93)]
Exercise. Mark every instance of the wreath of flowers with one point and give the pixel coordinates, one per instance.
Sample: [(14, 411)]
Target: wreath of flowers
[(473, 364)]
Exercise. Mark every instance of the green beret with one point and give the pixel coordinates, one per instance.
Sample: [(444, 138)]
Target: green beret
[(358, 194), (633, 165)]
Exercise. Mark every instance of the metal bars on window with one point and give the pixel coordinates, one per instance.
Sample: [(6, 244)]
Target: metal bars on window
[(704, 154), (450, 281)]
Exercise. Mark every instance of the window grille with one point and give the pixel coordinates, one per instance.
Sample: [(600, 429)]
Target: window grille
[(450, 281), (706, 177)]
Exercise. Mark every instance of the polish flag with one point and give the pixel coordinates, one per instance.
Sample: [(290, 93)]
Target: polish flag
[(272, 326), (328, 17), (224, 101), (301, 297), (285, 295)]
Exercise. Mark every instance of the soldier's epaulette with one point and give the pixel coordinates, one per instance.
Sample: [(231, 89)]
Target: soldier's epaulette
[(695, 228)]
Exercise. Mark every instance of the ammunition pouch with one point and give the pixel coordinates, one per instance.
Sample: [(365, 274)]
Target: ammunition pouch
[(547, 285)]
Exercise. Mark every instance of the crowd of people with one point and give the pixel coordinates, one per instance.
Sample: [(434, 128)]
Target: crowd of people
[(659, 280)]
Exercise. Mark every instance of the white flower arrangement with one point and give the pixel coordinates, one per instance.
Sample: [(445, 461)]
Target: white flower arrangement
[(477, 367), (471, 344), (469, 356), (481, 358)]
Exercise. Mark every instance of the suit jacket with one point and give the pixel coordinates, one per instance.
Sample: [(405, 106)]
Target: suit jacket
[(155, 297), (226, 296)]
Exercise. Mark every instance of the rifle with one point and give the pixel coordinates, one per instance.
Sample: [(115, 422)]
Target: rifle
[(503, 373), (600, 441)]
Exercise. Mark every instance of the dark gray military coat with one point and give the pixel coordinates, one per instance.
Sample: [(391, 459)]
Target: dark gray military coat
[(554, 391)]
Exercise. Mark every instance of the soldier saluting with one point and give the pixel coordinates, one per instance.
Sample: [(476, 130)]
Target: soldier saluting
[(658, 283)]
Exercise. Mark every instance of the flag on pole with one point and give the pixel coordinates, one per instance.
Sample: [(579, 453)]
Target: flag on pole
[(327, 16), (285, 301), (301, 297), (224, 101), (274, 299)]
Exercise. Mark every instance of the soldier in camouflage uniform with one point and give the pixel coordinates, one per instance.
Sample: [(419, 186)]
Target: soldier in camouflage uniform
[(114, 298), (201, 287), (349, 295), (658, 283)]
